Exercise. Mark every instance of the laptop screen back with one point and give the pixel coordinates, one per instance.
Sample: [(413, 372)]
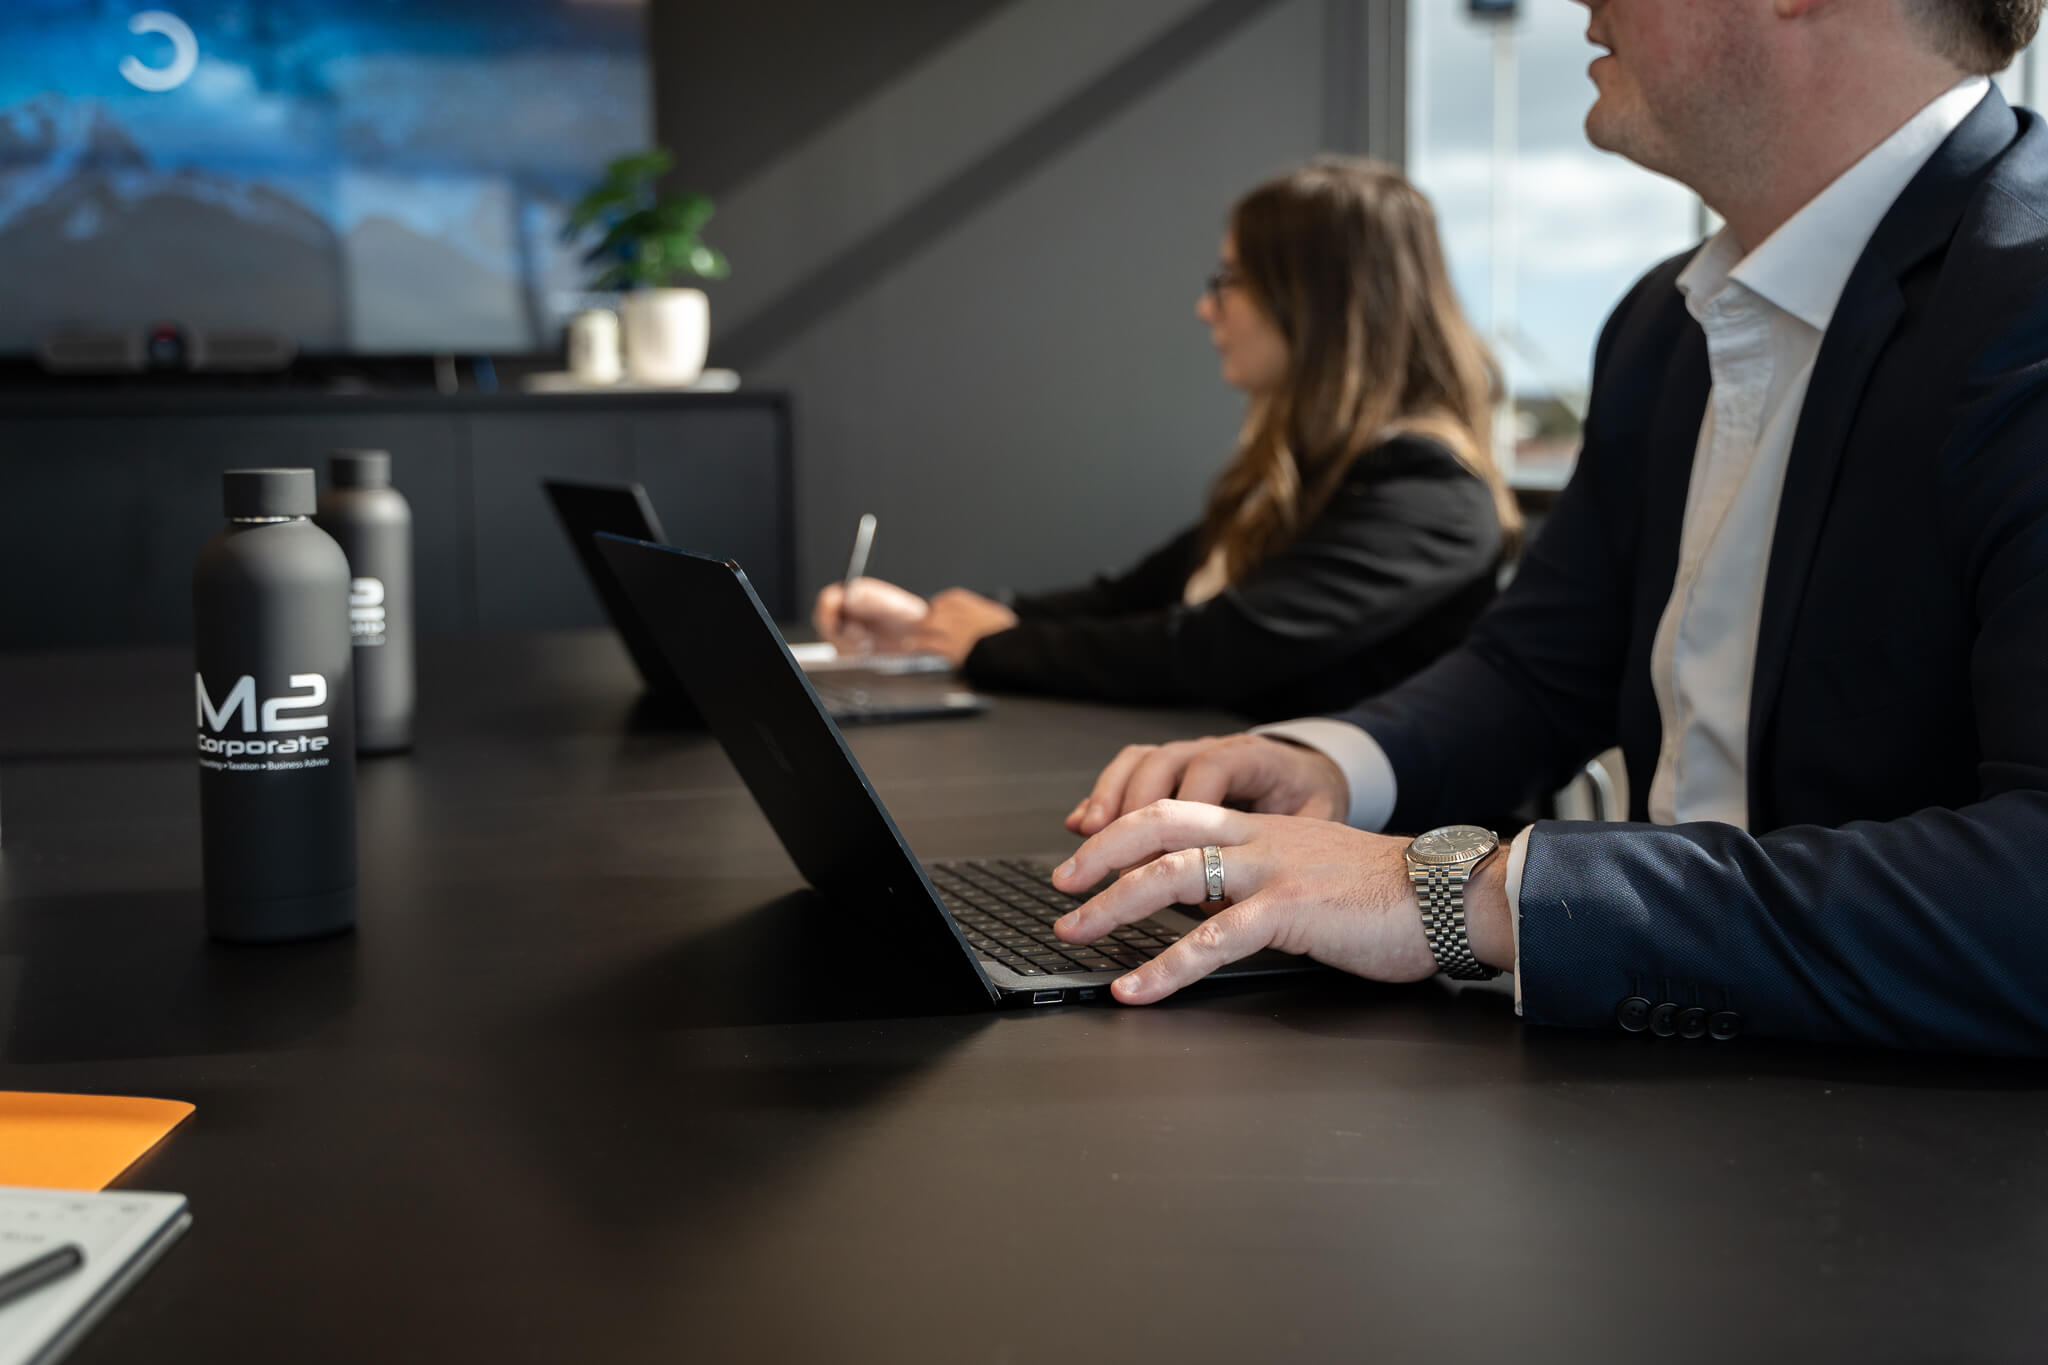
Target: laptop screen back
[(587, 510), (716, 635)]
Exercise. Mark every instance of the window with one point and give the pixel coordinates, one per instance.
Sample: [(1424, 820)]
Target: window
[(1581, 224), (2026, 80)]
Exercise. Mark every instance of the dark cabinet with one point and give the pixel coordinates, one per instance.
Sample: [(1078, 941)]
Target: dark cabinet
[(105, 500)]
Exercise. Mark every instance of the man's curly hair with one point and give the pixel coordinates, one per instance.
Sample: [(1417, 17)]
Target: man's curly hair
[(1978, 35)]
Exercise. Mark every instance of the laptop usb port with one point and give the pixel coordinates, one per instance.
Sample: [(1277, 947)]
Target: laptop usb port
[(1047, 997)]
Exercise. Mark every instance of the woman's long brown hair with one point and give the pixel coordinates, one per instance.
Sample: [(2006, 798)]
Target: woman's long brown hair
[(1343, 255)]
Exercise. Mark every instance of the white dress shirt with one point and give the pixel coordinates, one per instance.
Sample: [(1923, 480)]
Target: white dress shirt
[(1764, 315)]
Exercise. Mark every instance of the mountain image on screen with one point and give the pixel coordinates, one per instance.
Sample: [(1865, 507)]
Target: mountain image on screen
[(360, 176)]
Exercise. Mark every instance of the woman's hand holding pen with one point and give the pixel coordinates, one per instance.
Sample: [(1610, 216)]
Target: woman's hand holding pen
[(868, 615), (862, 615), (875, 616)]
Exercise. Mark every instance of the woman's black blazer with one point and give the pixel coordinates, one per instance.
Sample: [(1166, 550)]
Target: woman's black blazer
[(1390, 575)]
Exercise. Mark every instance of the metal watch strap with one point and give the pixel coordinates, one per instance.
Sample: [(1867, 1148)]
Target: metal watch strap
[(1441, 892)]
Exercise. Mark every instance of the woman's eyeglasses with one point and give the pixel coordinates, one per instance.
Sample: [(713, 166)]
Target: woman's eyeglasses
[(1221, 278)]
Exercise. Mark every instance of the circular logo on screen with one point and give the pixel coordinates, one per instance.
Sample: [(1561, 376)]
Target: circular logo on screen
[(184, 53)]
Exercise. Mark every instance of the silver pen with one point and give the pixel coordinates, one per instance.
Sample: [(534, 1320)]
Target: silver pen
[(863, 540)]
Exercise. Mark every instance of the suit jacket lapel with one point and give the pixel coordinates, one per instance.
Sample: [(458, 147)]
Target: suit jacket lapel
[(1674, 442), (1862, 324), (1921, 221)]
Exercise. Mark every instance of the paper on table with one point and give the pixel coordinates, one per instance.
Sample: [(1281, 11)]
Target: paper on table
[(78, 1142), (122, 1233)]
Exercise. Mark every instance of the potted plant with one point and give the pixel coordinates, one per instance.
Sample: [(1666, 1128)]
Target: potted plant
[(651, 241)]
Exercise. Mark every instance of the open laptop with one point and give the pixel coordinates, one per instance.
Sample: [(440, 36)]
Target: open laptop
[(981, 924), (889, 687)]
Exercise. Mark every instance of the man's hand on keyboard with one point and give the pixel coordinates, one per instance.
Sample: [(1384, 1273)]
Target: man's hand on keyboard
[(1251, 772), (1325, 890)]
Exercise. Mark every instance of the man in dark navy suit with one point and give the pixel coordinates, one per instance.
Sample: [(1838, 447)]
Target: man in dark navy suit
[(1800, 577)]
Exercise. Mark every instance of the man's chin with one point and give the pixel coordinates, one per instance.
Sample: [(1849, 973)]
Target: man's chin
[(1602, 128), (1612, 130)]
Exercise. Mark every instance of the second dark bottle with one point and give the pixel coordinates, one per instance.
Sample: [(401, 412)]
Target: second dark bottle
[(373, 525)]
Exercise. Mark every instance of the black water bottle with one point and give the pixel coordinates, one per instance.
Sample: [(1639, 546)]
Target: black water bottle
[(372, 523), (276, 716)]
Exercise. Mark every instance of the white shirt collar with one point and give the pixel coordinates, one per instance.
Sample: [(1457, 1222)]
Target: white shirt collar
[(1803, 267)]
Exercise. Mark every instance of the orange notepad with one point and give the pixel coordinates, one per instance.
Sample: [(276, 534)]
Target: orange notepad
[(78, 1142)]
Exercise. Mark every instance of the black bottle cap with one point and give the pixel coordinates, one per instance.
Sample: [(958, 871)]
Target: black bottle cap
[(248, 493), (360, 468)]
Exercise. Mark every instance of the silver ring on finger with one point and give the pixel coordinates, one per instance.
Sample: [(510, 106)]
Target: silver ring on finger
[(1212, 871)]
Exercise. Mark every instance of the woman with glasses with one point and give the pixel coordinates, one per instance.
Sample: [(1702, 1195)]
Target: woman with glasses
[(1355, 536)]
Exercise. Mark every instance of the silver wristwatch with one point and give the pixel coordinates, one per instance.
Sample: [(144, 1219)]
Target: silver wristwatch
[(1439, 864)]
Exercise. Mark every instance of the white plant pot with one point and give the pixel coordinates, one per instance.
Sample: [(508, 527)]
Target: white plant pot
[(594, 346), (667, 332)]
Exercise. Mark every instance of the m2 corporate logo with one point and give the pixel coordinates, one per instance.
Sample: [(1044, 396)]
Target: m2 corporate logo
[(366, 621), (272, 716)]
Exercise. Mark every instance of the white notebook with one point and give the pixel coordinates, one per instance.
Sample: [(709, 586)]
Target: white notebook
[(121, 1232), (818, 656)]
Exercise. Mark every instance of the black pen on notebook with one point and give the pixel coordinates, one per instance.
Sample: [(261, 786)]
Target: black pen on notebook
[(34, 1274), (863, 541)]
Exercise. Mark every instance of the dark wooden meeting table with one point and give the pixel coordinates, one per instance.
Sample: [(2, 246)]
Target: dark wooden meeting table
[(596, 1079)]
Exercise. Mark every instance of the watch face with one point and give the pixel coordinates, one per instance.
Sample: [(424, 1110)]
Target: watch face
[(1453, 844)]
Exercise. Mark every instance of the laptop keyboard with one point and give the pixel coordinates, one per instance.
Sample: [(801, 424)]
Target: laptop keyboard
[(1006, 907)]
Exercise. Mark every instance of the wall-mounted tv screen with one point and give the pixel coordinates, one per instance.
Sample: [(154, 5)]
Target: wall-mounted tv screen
[(375, 176)]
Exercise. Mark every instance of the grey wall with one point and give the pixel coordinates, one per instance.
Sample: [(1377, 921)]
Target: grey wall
[(968, 238)]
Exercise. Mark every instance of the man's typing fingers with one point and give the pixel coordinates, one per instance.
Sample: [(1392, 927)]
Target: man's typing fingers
[(1174, 878), (1141, 836), (1105, 802), (1238, 767), (1221, 939), (1262, 774), (1162, 773)]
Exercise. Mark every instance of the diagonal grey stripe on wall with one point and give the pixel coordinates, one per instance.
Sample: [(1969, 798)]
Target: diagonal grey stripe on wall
[(713, 65), (1365, 78), (860, 265)]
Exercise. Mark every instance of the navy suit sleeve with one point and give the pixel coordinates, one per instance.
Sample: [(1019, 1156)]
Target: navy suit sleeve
[(1533, 693), (1928, 931)]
